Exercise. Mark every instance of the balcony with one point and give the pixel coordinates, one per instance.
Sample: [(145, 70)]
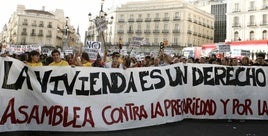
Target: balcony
[(252, 9), (176, 31), (41, 25), (49, 26), (34, 25), (121, 20), (236, 10), (120, 31), (139, 20), (264, 24), (252, 24), (131, 20), (33, 34), (176, 18), (24, 33), (25, 23), (236, 25), (147, 31), (148, 20), (40, 35), (189, 32), (165, 19), (130, 31), (138, 32), (156, 31), (165, 31), (157, 19), (49, 36), (190, 20)]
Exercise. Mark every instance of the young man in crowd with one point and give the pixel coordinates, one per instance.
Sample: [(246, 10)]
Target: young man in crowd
[(57, 60)]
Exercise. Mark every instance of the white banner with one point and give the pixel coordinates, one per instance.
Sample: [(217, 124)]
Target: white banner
[(97, 99)]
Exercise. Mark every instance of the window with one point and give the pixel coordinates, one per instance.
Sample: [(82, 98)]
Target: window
[(148, 15), (121, 27), (236, 36), (155, 40), (177, 14), (139, 26), (251, 20), (264, 35), (251, 35), (49, 25), (40, 33), (166, 15), (24, 30), (165, 26), (157, 15), (140, 16), (236, 21), (148, 26), (156, 26), (252, 5), (175, 40), (264, 19), (130, 28), (41, 24), (25, 22), (236, 7), (176, 27), (131, 16), (33, 31)]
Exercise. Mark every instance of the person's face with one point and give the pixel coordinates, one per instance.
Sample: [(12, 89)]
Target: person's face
[(115, 63), (224, 61), (235, 62), (35, 58), (56, 57), (245, 61)]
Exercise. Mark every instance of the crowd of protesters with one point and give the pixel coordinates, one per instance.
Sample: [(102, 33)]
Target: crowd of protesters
[(115, 60)]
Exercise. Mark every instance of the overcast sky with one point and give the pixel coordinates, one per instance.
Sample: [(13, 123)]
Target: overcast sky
[(76, 10)]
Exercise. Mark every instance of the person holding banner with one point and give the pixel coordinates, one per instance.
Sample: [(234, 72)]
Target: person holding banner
[(57, 60), (98, 62), (83, 60), (34, 59), (115, 63)]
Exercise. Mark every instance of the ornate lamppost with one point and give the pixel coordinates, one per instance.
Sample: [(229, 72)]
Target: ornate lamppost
[(100, 22), (65, 32)]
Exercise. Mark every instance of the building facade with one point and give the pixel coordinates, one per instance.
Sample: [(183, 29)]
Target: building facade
[(39, 27), (219, 11), (247, 20), (218, 8), (178, 23)]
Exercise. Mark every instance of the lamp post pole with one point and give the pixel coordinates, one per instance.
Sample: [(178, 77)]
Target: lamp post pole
[(66, 30), (101, 24), (91, 30)]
